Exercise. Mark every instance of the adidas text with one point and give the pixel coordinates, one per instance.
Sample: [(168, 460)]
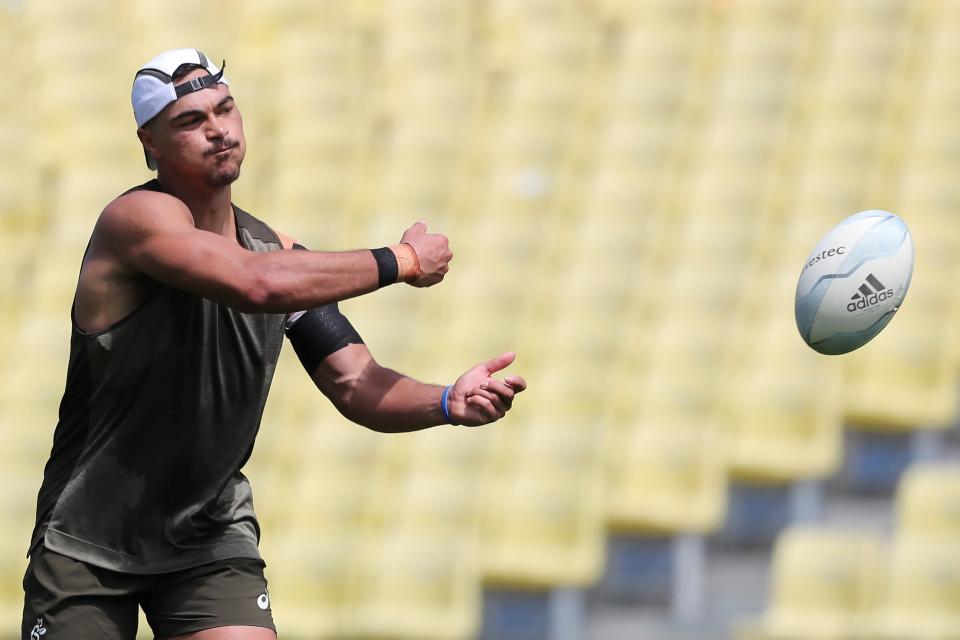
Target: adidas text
[(869, 301)]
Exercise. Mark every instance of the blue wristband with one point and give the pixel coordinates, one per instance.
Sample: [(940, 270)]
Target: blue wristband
[(444, 405)]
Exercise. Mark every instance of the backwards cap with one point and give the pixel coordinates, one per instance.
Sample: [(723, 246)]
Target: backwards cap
[(153, 87)]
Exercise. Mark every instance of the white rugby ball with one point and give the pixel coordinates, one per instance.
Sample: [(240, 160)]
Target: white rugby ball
[(853, 282)]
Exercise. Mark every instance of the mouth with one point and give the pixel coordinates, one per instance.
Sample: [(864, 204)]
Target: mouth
[(221, 151)]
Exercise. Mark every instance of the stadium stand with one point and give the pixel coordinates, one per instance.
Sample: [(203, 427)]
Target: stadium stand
[(630, 189), (840, 583)]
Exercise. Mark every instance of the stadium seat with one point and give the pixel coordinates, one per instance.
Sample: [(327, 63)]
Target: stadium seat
[(542, 529), (665, 476), (309, 573), (781, 407), (332, 490), (920, 598), (928, 502), (413, 585), (906, 380), (822, 582), (431, 501), (467, 451)]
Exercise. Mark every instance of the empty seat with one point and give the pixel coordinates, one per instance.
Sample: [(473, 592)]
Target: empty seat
[(415, 586), (781, 403), (666, 475), (821, 585), (920, 597), (309, 572), (928, 502), (906, 379), (542, 530)]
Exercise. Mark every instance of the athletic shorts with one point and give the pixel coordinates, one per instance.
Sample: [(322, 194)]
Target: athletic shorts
[(66, 598)]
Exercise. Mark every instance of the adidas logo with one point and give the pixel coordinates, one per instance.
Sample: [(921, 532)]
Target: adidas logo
[(870, 293)]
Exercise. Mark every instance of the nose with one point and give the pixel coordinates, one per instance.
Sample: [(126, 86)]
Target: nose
[(216, 129)]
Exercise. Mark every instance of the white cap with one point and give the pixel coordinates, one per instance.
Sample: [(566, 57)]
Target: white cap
[(153, 87)]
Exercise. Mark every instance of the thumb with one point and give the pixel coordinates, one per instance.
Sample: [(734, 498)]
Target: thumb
[(502, 361)]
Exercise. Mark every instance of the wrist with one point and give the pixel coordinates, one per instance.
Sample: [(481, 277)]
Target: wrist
[(445, 405), (408, 263), (388, 270)]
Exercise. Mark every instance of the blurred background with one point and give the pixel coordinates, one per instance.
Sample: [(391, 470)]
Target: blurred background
[(631, 188)]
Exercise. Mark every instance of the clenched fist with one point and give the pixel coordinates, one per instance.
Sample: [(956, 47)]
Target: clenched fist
[(433, 252)]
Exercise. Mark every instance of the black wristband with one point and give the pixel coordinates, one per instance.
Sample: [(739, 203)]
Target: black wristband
[(387, 266)]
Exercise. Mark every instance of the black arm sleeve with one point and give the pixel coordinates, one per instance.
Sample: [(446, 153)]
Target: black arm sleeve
[(318, 332)]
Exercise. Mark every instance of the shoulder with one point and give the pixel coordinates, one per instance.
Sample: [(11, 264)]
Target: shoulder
[(143, 210)]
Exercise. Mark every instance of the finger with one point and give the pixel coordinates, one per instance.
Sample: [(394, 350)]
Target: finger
[(502, 405), (502, 389), (484, 406), (516, 383), (502, 361), (418, 227)]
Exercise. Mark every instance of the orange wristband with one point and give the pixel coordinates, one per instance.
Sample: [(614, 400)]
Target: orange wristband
[(408, 264)]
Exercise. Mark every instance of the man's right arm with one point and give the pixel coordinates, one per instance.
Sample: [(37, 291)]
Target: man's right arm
[(155, 234)]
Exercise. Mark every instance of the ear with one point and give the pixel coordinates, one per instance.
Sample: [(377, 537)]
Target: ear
[(146, 139)]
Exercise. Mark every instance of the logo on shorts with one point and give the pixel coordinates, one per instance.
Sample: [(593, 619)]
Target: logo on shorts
[(38, 630), (264, 600)]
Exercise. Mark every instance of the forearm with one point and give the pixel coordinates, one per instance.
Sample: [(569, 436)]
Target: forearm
[(288, 281), (387, 401)]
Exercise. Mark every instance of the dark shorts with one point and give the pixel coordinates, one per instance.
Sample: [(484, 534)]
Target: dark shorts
[(66, 598)]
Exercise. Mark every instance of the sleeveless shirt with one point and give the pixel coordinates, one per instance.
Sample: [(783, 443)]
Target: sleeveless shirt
[(158, 417)]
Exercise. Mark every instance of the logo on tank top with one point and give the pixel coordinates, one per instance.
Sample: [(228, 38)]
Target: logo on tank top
[(264, 600), (38, 630)]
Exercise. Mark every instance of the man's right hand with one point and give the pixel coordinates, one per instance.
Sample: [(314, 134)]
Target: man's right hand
[(433, 252)]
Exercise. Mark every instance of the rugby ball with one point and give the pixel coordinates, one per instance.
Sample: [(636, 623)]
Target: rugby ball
[(853, 282)]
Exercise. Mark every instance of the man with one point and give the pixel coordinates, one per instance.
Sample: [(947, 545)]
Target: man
[(178, 318)]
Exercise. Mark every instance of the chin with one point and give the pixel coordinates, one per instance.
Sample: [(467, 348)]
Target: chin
[(224, 176)]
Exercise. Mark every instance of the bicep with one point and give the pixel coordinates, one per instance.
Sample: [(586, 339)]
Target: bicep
[(157, 237), (197, 261), (329, 348)]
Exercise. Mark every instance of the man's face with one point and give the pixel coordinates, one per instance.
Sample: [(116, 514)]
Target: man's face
[(200, 135)]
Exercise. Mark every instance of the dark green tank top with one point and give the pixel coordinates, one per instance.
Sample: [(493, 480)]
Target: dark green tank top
[(158, 417)]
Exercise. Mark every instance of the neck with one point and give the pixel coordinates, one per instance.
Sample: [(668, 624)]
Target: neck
[(211, 207)]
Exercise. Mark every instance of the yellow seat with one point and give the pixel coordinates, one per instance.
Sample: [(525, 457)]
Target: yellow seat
[(309, 574), (906, 378), (822, 582), (431, 501), (338, 471), (416, 586), (780, 406), (666, 475), (543, 529), (928, 502), (920, 599)]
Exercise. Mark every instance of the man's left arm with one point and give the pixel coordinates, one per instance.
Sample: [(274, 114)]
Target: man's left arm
[(385, 400)]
